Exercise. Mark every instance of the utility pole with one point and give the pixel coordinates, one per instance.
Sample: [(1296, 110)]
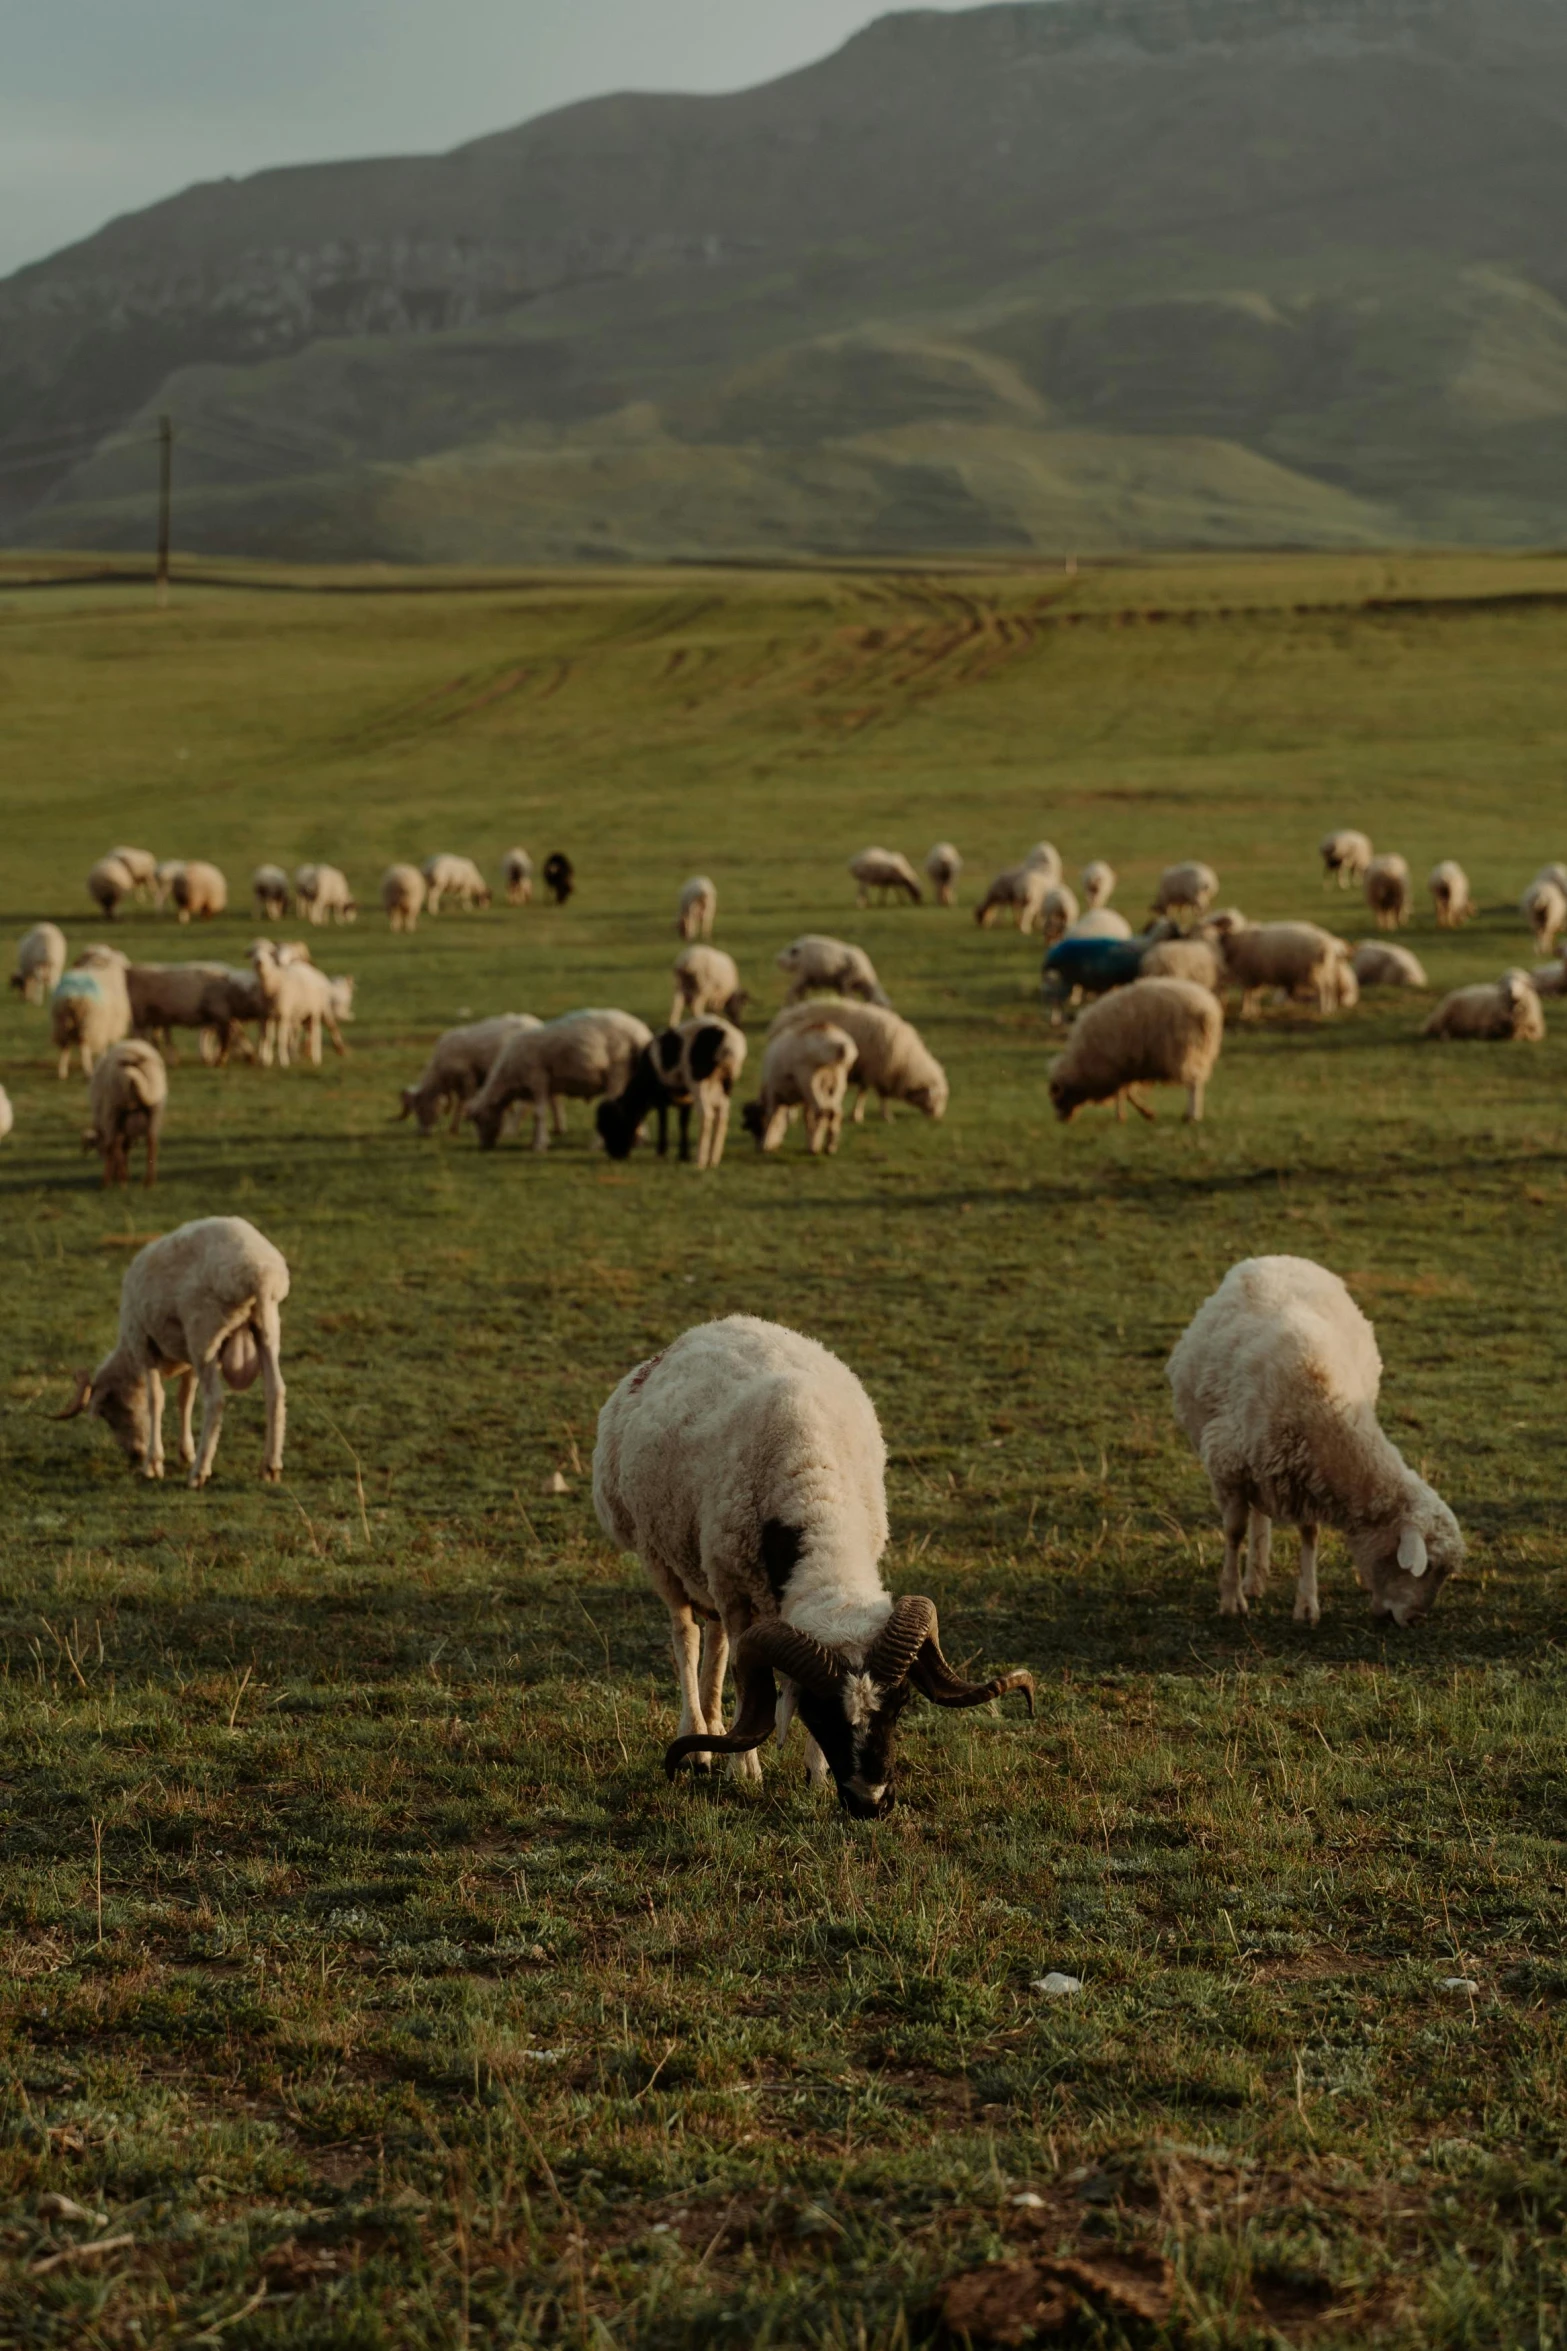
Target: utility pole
[(165, 491)]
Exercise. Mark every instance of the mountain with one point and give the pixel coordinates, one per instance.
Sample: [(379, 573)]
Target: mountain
[(1065, 273)]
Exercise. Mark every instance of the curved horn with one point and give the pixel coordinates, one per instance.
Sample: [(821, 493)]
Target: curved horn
[(930, 1673), (892, 1653), (760, 1651), (82, 1399)]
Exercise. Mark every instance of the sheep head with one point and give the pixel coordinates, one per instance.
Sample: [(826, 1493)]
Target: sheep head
[(1403, 1565), (124, 1408), (850, 1704)]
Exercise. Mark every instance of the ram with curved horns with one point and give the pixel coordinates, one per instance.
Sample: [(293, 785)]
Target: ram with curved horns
[(745, 1467)]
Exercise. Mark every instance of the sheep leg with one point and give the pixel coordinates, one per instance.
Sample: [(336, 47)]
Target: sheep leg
[(1259, 1552), (459, 1105), (211, 1420), (1194, 1094), (685, 1641), (336, 1035), (313, 1034), (719, 1132), (269, 1344), (187, 1410), (685, 1132), (749, 1765), (1120, 1107), (153, 1467), (1232, 1600), (858, 1112), (541, 1122), (1141, 1108), (558, 1112), (1308, 1609), (710, 1680)]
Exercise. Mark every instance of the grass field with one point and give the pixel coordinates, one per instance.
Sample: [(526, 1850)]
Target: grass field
[(356, 1963)]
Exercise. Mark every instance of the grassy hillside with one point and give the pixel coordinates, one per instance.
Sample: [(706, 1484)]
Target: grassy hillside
[(356, 1962)]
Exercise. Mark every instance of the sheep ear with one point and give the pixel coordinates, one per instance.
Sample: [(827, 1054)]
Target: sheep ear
[(81, 1399), (1412, 1552)]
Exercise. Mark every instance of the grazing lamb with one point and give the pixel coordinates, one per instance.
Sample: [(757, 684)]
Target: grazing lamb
[(90, 1009), (126, 1098), (200, 891), (560, 877), (1377, 964), (1299, 957), (40, 962), (1449, 887), (805, 1067), (816, 962), (694, 1066), (1023, 888), (1057, 913), (270, 892), (891, 1059), (745, 1468), (1544, 908), (1346, 857), (323, 894), (698, 909), (1194, 959), (299, 1000), (517, 877), (706, 980), (402, 896), (459, 1065), (1097, 882), (1156, 1033), (1389, 893), (1496, 1011), (1186, 889), (943, 866), (108, 885), (202, 1305), (1275, 1381), (454, 877), (164, 876), (577, 1057), (142, 867), (7, 1115), (887, 871)]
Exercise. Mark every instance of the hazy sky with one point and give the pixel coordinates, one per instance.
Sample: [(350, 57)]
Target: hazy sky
[(106, 105)]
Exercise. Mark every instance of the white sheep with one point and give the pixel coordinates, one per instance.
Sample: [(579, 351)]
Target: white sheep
[(1102, 922), (1544, 908), (745, 1467), (201, 1305), (269, 892), (1022, 888), (1186, 889), (1299, 957), (109, 885), (1501, 1011), (200, 891), (1377, 963), (323, 894), (164, 876), (454, 877), (517, 877), (706, 980), (1275, 1382), (698, 909), (1554, 872), (887, 871), (1389, 893), (40, 962), (459, 1065), (1192, 958), (1345, 856), (891, 1058), (1449, 887), (299, 1000), (126, 1099), (90, 1009), (577, 1057), (1057, 913), (1550, 979), (1097, 882), (402, 896), (142, 867), (943, 865), (1154, 1033), (693, 1067), (805, 1067), (816, 962)]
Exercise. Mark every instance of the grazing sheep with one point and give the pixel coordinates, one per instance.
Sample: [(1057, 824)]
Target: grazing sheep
[(299, 1000), (1346, 856), (164, 876), (1057, 913), (1554, 873), (1544, 908), (1275, 1382), (891, 1059), (40, 961), (706, 980), (126, 1099), (1343, 984), (1193, 959), (1376, 964), (1103, 922), (201, 1305), (460, 1062), (323, 894), (1299, 957), (1097, 882), (1496, 1011), (804, 1067), (200, 891), (560, 877), (454, 877), (1093, 959), (1389, 893), (696, 1065), (7, 1115), (402, 896), (816, 962), (142, 867), (1549, 979), (1157, 1033), (231, 997), (1186, 889), (90, 1009), (270, 892), (943, 866), (108, 885), (1449, 887), (577, 1057), (887, 871), (167, 996), (1023, 888), (745, 1468), (698, 910), (517, 876)]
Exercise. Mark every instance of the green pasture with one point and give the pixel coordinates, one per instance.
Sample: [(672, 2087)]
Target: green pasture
[(362, 1982)]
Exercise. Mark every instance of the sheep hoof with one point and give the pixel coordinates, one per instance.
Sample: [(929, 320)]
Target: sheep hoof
[(269, 1477), (1232, 1604), (1308, 1612), (195, 1479)]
